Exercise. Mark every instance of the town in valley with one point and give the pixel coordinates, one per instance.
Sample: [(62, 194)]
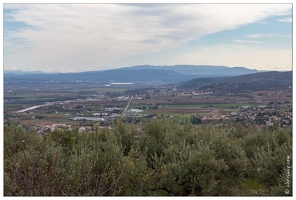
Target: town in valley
[(51, 105)]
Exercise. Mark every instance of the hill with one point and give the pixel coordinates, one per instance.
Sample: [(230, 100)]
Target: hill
[(249, 82), (273, 78), (202, 81)]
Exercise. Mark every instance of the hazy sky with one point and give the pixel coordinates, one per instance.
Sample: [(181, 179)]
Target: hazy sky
[(83, 37)]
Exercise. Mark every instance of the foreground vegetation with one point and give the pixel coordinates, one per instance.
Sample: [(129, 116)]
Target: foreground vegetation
[(166, 158)]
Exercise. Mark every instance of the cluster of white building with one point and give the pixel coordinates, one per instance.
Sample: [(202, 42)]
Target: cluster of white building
[(135, 110), (89, 118)]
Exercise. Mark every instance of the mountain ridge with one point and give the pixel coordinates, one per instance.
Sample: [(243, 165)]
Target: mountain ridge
[(256, 81), (199, 69), (141, 73)]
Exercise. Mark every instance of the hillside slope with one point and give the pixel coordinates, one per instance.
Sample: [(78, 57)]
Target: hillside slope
[(253, 82)]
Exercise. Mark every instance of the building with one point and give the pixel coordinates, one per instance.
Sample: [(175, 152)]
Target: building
[(135, 110), (89, 118)]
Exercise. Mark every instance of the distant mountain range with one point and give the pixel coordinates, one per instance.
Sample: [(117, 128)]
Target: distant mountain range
[(21, 72), (143, 73), (200, 70)]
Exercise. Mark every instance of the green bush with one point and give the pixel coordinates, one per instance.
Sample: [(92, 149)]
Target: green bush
[(166, 159)]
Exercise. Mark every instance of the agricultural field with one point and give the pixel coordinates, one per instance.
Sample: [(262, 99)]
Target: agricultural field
[(72, 100), (212, 108), (62, 102)]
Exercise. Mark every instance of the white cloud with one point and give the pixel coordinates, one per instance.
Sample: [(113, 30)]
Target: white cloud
[(289, 19), (248, 41), (67, 37), (238, 55), (271, 35)]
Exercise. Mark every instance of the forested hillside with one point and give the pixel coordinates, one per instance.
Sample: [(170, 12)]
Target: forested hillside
[(166, 158), (248, 82)]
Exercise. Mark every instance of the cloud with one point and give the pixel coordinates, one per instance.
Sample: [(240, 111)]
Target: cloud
[(238, 55), (67, 37), (248, 41), (289, 19), (271, 35)]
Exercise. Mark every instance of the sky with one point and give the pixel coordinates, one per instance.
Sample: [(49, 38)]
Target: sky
[(89, 37)]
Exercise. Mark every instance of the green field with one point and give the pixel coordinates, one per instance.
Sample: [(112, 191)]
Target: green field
[(222, 105), (175, 115), (181, 106), (95, 107)]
